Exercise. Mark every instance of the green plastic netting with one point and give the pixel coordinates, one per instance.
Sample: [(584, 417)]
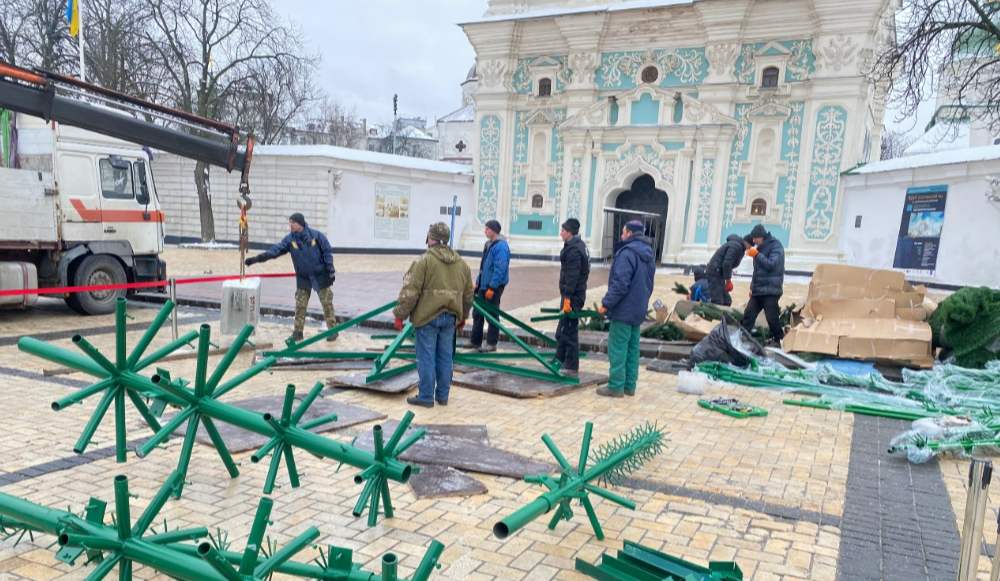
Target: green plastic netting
[(968, 324)]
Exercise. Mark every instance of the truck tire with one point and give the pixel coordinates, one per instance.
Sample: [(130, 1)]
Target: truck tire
[(97, 270)]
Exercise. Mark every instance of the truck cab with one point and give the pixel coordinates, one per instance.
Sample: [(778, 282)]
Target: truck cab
[(95, 219)]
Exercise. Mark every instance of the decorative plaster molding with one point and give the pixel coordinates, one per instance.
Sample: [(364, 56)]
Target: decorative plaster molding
[(828, 151), (838, 54), (491, 73), (722, 57), (993, 189), (489, 168)]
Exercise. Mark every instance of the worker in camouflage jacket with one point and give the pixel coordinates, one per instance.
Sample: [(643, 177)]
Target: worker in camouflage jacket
[(574, 272), (720, 268), (436, 297), (312, 258)]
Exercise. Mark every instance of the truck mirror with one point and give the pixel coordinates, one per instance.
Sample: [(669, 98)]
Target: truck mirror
[(143, 197)]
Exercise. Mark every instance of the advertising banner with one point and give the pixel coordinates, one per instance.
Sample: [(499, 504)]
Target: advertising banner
[(920, 230)]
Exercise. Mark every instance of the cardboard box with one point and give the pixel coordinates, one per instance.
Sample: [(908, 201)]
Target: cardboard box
[(860, 313), (696, 328)]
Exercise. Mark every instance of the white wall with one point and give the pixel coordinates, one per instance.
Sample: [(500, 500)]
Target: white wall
[(283, 184), (969, 253)]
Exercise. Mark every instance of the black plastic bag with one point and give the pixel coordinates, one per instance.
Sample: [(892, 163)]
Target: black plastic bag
[(721, 346)]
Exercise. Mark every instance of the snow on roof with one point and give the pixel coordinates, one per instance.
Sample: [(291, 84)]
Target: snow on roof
[(412, 132), (942, 137), (363, 156), (972, 154), (465, 114), (616, 7)]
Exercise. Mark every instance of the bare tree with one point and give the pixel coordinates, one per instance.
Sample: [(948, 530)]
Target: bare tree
[(273, 95), (212, 49), (328, 122), (945, 45), (894, 143), (35, 33), (405, 142), (119, 56)]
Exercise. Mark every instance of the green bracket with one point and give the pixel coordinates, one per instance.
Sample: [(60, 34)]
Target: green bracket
[(732, 408), (636, 562), (561, 315)]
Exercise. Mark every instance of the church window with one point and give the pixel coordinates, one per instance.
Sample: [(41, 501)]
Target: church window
[(537, 201), (544, 87), (650, 74), (461, 146), (769, 80), (758, 208)]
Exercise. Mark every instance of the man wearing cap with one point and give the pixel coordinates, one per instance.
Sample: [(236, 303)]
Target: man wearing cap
[(494, 274), (573, 274), (312, 258), (767, 284), (436, 297), (720, 268), (630, 284)]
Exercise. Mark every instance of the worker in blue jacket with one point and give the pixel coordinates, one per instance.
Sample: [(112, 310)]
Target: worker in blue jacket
[(494, 274), (312, 258), (630, 284)]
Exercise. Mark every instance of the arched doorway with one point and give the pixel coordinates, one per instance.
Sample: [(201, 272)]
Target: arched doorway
[(643, 197)]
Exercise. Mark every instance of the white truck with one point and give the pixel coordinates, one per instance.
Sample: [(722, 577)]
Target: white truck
[(80, 209)]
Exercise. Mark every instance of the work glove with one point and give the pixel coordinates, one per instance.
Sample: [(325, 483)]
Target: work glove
[(399, 324), (729, 286), (566, 306), (475, 289), (752, 252), (603, 310), (489, 294), (251, 260), (460, 325)]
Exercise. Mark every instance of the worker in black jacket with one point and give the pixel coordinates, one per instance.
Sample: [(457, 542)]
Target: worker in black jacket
[(721, 266), (768, 281), (573, 275)]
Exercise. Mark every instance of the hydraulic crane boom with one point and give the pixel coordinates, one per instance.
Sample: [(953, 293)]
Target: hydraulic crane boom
[(44, 94)]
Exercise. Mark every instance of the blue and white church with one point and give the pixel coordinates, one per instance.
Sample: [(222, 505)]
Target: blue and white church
[(699, 117)]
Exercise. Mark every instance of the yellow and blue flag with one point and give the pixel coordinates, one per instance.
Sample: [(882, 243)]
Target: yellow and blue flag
[(73, 15)]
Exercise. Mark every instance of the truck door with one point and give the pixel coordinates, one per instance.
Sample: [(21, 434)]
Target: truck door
[(128, 209)]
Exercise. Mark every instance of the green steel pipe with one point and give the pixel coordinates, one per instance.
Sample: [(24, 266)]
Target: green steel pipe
[(249, 559), (95, 420), (585, 447), (82, 394), (272, 469), (92, 352), (101, 570), (91, 542), (262, 453), (359, 507), (61, 356), (228, 358), (373, 500), (160, 436), (409, 441), (607, 495), (367, 473), (522, 371), (186, 448), (592, 517), (285, 553), (274, 424), (175, 395), (386, 498), (177, 536), (155, 505), (429, 562), (520, 342), (120, 440), (40, 518), (391, 373), (286, 405), (166, 350), (404, 424), (211, 556), (563, 463), (120, 336), (143, 410), (220, 446), (124, 571), (341, 327), (485, 307), (390, 351), (243, 377), (201, 369), (123, 517), (305, 403), (293, 472), (318, 421), (147, 337), (377, 437), (525, 515), (389, 563)]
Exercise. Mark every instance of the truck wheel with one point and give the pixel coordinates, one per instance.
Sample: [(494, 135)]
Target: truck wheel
[(97, 270)]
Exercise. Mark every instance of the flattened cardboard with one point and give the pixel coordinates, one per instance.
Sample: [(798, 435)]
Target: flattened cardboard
[(835, 281)]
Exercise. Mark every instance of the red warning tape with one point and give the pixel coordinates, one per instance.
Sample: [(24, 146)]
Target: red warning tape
[(131, 285)]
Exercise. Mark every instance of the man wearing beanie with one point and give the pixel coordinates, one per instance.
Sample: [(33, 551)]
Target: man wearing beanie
[(720, 268), (494, 274), (630, 284), (768, 281), (312, 258), (436, 297), (573, 274)]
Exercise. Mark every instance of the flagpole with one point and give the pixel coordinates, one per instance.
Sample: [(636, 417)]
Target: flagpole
[(79, 31)]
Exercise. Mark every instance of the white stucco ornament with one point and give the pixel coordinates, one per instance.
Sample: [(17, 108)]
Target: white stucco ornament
[(993, 189)]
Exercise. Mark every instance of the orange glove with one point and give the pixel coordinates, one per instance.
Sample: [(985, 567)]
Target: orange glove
[(460, 325), (475, 289), (566, 306), (489, 294), (603, 310), (399, 325), (729, 286), (752, 252)]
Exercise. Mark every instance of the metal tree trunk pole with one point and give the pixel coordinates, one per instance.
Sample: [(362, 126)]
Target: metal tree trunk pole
[(980, 475)]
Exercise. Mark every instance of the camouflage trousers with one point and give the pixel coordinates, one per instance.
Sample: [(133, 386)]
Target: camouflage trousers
[(302, 302)]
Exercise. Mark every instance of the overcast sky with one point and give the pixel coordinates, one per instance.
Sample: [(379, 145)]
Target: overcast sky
[(414, 48), (374, 48)]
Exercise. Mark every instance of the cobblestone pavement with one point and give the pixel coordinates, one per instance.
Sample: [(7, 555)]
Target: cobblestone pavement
[(791, 496)]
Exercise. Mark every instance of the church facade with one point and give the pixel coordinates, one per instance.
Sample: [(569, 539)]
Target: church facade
[(699, 117)]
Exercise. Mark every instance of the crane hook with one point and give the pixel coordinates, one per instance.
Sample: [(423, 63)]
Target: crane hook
[(246, 203)]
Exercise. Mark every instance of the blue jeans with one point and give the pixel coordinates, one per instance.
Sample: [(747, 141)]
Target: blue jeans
[(435, 343)]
